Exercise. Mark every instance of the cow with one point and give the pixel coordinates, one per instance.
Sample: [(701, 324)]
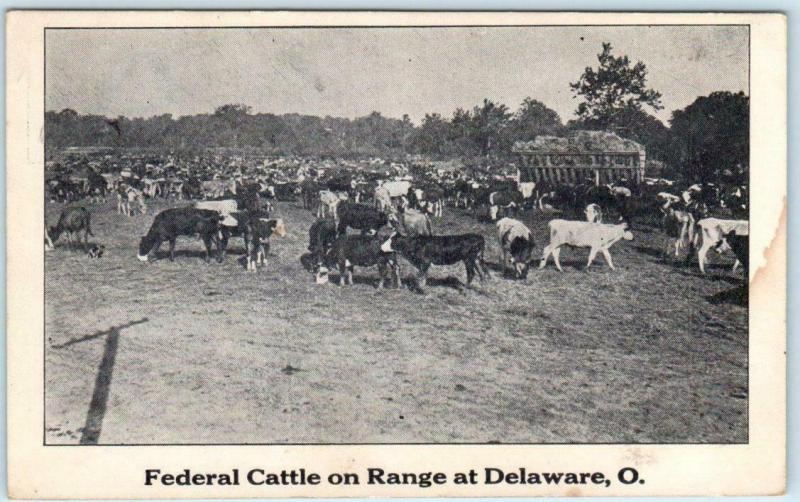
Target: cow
[(595, 236), (710, 233), (383, 200), (414, 222), (328, 202), (183, 221), (320, 237), (129, 199), (506, 200), (48, 242), (347, 251), (259, 231), (360, 217), (422, 251), (309, 189), (225, 208), (594, 214), (72, 222), (739, 244), (397, 188), (516, 242), (97, 186), (215, 189)]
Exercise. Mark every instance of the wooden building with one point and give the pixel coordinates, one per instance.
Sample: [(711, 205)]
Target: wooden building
[(600, 156)]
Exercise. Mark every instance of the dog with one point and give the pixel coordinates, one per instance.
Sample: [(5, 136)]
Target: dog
[(96, 251)]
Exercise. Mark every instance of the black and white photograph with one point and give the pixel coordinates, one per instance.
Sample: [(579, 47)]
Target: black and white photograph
[(346, 235)]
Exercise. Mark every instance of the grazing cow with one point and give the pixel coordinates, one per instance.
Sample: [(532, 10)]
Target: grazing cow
[(506, 200), (516, 242), (679, 224), (188, 221), (328, 202), (259, 231), (710, 233), (739, 244), (360, 217), (414, 222), (347, 251), (594, 214), (422, 251), (595, 236), (71, 223)]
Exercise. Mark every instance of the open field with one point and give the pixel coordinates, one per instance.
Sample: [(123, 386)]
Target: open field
[(186, 352)]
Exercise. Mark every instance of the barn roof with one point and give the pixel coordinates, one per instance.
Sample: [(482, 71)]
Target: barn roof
[(579, 142)]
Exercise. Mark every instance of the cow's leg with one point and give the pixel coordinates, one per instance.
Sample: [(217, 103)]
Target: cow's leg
[(207, 240), (172, 248), (607, 256), (86, 240), (701, 256), (396, 272), (545, 255), (556, 254), (422, 276), (381, 273), (592, 255), (469, 265), (736, 265)]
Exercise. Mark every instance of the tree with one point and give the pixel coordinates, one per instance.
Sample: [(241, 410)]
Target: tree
[(534, 119), (489, 123), (709, 139), (614, 87)]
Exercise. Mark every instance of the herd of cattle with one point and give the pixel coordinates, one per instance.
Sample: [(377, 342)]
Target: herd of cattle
[(391, 213)]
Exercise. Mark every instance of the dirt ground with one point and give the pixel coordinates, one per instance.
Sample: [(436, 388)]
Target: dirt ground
[(184, 352)]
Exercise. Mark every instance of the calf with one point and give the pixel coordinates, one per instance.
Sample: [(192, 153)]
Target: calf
[(710, 233), (516, 242), (422, 251), (360, 217), (259, 231), (329, 202), (72, 222), (347, 251), (740, 246), (414, 222), (595, 236), (188, 221)]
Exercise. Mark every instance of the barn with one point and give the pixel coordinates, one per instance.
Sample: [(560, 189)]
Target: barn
[(601, 156)]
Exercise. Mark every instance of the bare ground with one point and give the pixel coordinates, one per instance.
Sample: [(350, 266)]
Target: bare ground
[(184, 352)]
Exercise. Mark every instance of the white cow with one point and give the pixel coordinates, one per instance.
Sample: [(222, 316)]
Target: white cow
[(383, 200), (516, 245), (223, 207), (710, 233), (397, 188), (328, 202), (582, 234)]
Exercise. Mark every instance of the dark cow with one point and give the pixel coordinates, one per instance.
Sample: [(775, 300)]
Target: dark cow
[(347, 251), (359, 216), (740, 246), (256, 239), (97, 186), (72, 222), (320, 237), (188, 221), (422, 251), (309, 190), (506, 202), (287, 192)]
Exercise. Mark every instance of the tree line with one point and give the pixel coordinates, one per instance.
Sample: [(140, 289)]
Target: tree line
[(705, 140)]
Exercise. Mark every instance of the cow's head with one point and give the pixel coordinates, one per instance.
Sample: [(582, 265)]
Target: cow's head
[(144, 249), (626, 233), (521, 250)]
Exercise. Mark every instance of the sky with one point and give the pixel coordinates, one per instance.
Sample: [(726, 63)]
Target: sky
[(345, 72)]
